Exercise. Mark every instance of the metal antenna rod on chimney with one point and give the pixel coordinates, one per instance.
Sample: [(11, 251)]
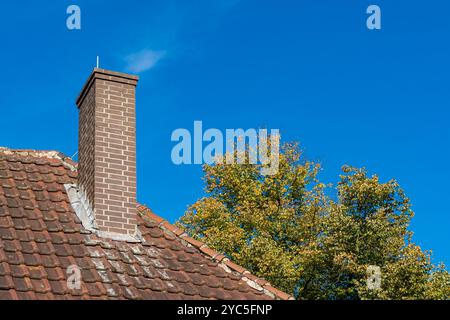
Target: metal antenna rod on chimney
[(98, 62)]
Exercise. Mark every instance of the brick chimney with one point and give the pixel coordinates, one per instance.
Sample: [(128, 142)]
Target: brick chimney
[(107, 152)]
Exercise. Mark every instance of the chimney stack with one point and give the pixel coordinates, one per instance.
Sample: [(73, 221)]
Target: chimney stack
[(107, 152)]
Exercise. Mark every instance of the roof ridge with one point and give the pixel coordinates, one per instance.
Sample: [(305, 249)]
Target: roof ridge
[(49, 154), (225, 263)]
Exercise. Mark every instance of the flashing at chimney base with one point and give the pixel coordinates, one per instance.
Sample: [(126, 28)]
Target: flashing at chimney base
[(84, 212)]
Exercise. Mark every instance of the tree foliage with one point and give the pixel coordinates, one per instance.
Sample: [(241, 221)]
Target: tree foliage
[(288, 230)]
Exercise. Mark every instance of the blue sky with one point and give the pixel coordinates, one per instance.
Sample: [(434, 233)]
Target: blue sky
[(378, 99)]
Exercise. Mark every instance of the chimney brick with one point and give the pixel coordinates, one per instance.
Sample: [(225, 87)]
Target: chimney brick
[(107, 150)]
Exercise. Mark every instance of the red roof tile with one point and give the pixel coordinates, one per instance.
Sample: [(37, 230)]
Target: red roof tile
[(41, 237)]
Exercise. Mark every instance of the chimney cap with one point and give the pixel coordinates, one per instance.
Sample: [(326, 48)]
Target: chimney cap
[(108, 75)]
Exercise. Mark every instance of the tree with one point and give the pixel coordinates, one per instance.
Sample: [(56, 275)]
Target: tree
[(285, 229), (368, 226)]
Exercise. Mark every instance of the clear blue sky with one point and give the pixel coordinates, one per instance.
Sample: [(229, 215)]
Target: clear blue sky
[(378, 99)]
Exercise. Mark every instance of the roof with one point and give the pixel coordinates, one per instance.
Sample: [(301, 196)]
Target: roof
[(41, 237)]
